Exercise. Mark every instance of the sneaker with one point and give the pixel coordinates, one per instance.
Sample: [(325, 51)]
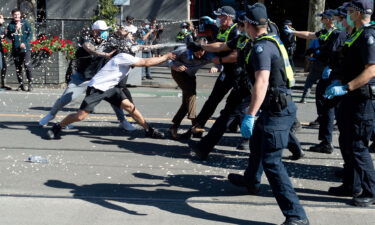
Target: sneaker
[(154, 133), (322, 147), (44, 121), (303, 101), (291, 221), (296, 127), (54, 132), (149, 78), (244, 144), (126, 125), (239, 181), (69, 127)]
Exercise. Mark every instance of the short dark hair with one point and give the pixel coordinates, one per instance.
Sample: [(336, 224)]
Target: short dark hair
[(129, 18), (16, 10)]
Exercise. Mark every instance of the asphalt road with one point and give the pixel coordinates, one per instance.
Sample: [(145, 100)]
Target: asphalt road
[(100, 174)]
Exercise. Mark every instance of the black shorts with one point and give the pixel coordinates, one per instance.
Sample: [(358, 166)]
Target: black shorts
[(94, 96)]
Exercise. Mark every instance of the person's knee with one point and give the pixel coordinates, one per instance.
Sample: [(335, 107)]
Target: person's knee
[(81, 115)]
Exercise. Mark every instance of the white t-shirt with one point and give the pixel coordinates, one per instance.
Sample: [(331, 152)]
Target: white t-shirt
[(113, 72), (131, 28)]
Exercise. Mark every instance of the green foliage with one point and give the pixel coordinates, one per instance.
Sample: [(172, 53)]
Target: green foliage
[(107, 12)]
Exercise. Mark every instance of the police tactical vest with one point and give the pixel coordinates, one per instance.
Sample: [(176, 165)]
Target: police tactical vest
[(223, 36), (283, 76), (241, 42), (324, 37)]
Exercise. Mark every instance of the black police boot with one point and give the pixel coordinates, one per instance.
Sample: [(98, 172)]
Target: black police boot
[(297, 156), (244, 144), (339, 173), (153, 133), (314, 124), (363, 201), (342, 190), (291, 221), (54, 132), (199, 152), (322, 147), (239, 181)]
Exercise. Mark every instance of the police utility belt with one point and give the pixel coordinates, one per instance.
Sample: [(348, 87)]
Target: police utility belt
[(276, 100), (365, 92)]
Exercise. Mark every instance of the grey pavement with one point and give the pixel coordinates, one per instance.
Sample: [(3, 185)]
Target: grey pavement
[(100, 174)]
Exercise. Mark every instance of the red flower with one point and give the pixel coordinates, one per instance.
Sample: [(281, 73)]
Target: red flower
[(55, 37), (69, 42), (5, 50)]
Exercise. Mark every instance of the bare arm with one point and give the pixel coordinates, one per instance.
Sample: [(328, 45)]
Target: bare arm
[(90, 48), (363, 78), (305, 34), (144, 38), (154, 61), (259, 91), (216, 47)]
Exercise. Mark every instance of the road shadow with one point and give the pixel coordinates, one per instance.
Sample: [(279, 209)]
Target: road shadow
[(164, 195)]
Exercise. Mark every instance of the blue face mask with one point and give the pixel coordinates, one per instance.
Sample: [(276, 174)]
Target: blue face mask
[(147, 26), (218, 22), (349, 21), (104, 35)]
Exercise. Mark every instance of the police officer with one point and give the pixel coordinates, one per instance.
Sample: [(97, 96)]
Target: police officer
[(271, 75), (290, 41), (238, 99), (184, 36), (356, 111), (330, 41), (225, 81)]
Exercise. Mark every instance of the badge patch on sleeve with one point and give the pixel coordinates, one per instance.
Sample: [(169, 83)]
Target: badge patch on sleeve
[(370, 41), (259, 49)]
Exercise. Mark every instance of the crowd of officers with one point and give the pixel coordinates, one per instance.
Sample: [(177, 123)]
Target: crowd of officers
[(256, 71)]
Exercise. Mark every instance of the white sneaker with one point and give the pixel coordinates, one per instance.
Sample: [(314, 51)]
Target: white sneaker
[(44, 121), (69, 127), (127, 126)]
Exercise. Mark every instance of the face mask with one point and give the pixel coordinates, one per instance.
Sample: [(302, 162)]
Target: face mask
[(349, 21), (341, 27), (184, 30), (104, 35), (218, 22), (147, 26)]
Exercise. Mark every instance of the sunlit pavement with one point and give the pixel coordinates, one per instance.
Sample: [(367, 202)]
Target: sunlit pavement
[(100, 174)]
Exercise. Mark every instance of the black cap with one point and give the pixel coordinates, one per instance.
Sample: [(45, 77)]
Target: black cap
[(329, 13), (287, 22), (226, 11), (256, 14), (364, 6), (341, 11)]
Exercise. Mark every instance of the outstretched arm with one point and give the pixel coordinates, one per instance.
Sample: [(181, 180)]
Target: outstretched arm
[(154, 60)]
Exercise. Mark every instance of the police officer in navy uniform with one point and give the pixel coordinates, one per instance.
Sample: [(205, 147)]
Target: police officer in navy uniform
[(225, 81), (238, 99), (271, 75), (331, 40), (356, 111)]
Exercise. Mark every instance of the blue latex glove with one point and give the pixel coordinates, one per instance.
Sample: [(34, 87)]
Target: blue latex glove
[(247, 126), (326, 72), (288, 30), (208, 20), (337, 90)]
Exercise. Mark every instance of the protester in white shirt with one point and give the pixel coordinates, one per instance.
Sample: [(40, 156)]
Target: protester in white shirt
[(129, 25), (103, 87)]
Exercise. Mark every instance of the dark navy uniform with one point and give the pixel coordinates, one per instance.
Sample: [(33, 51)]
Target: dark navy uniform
[(330, 46), (355, 115), (223, 83), (271, 129), (237, 101)]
